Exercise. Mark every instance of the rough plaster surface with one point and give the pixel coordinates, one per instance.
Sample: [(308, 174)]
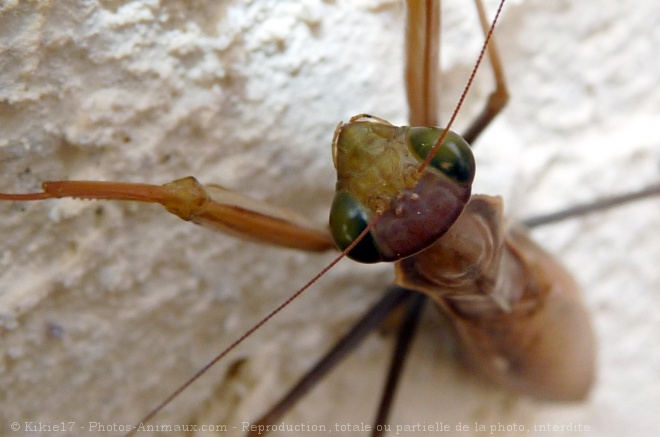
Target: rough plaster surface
[(105, 308)]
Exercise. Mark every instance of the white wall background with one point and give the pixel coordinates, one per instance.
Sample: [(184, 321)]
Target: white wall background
[(105, 308)]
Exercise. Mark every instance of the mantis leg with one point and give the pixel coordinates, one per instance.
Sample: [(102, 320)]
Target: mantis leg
[(422, 66), (369, 321), (211, 206), (588, 208), (407, 332)]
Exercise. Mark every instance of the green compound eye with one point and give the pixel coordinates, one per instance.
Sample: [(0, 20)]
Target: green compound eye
[(454, 158), (347, 221)]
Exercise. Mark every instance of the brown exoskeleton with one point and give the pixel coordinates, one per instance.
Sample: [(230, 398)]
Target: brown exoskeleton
[(118, 275)]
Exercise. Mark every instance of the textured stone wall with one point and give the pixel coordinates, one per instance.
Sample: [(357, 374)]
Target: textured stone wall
[(106, 307)]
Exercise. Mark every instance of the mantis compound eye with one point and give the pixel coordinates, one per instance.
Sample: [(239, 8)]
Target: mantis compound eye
[(454, 158), (348, 218)]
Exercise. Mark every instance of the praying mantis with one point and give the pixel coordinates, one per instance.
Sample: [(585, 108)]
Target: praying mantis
[(113, 300)]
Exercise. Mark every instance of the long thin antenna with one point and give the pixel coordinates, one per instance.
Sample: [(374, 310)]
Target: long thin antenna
[(301, 290), (467, 87), (251, 331)]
